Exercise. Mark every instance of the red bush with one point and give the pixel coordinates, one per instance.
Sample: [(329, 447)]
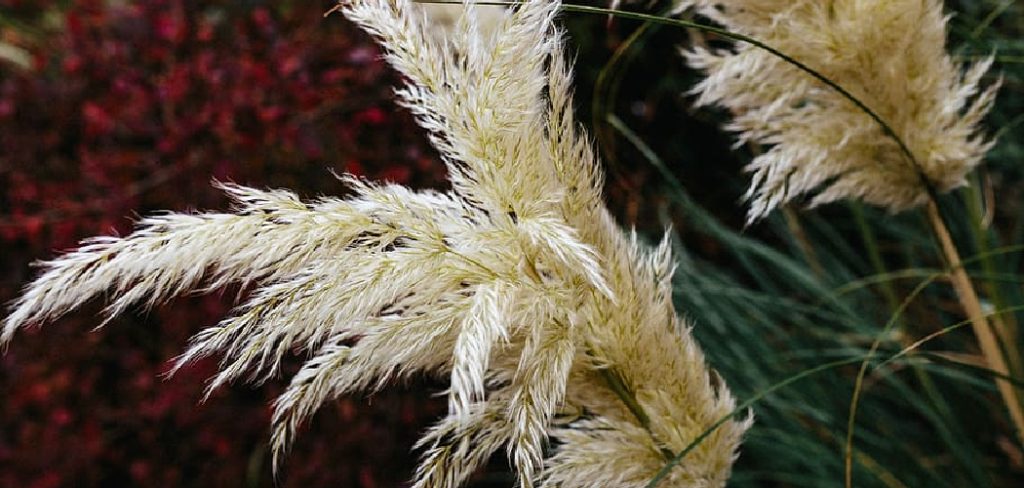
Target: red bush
[(131, 109)]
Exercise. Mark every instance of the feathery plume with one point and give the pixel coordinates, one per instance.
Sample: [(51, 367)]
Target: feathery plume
[(890, 54), (517, 284), (445, 16)]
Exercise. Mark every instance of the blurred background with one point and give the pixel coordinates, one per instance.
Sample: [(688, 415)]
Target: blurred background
[(113, 109)]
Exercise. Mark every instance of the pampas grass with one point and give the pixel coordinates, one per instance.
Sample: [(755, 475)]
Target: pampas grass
[(557, 332), (517, 285), (913, 132), (890, 55)]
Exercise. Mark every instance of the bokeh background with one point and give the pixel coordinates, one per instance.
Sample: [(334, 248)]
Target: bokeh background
[(112, 109)]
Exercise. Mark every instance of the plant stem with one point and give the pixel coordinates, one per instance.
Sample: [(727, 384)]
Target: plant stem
[(620, 389), (867, 235), (606, 89), (1005, 323), (889, 293), (802, 241), (987, 340)]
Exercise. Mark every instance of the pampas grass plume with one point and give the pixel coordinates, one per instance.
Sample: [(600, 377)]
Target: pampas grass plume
[(890, 54), (516, 284)]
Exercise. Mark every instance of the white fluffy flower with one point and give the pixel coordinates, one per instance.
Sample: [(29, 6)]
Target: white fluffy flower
[(890, 54), (516, 284)]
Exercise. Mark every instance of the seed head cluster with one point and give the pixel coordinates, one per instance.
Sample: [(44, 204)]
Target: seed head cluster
[(555, 328), (890, 54)]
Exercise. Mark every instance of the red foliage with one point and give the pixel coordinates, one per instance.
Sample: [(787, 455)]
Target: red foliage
[(133, 108)]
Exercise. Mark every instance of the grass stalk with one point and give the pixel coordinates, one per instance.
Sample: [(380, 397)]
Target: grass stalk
[(1005, 324), (796, 229), (743, 407), (858, 384), (870, 240), (607, 86), (971, 304)]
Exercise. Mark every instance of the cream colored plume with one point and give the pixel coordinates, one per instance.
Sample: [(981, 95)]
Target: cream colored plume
[(890, 54), (516, 284), (444, 17)]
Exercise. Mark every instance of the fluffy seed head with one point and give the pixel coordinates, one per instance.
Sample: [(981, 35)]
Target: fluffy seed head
[(889, 54), (516, 284)]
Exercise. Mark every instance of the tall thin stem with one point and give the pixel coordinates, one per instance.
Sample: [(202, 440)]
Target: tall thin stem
[(987, 340), (978, 204)]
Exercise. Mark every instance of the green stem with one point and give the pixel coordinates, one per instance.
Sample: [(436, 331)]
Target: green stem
[(867, 235), (665, 470), (889, 293), (992, 16), (607, 86), (851, 420)]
